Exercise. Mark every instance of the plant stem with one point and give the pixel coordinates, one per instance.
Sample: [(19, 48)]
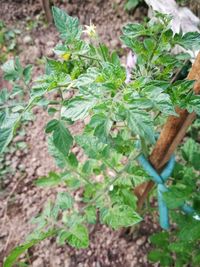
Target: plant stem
[(118, 175), (89, 57)]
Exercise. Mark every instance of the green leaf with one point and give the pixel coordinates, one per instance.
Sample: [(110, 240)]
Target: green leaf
[(131, 4), (64, 200), (160, 100), (149, 44), (90, 214), (154, 255), (6, 135), (71, 181), (191, 153), (161, 256), (91, 145), (190, 40), (16, 252), (190, 231), (51, 126), (176, 196), (179, 247), (134, 30), (52, 179), (77, 236), (78, 108), (87, 78), (8, 126), (140, 123), (67, 26), (119, 216), (27, 73), (122, 195), (12, 70), (4, 95), (102, 125), (57, 67), (60, 158), (160, 239), (62, 138), (73, 160)]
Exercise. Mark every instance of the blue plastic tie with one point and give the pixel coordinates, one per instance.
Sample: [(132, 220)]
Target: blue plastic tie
[(160, 180)]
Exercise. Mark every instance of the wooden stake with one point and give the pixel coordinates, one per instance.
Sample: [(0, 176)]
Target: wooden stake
[(47, 10), (173, 132)]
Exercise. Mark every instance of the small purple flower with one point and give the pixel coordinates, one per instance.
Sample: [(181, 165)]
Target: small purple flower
[(130, 65)]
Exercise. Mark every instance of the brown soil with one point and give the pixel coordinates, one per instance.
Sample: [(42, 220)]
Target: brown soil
[(20, 200)]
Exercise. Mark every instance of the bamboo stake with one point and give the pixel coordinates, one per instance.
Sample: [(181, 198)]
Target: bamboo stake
[(173, 132)]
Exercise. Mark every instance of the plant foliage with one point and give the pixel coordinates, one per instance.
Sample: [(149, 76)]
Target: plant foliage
[(116, 115)]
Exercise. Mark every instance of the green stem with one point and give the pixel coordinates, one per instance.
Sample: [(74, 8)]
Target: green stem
[(79, 174), (89, 57), (118, 175), (153, 52)]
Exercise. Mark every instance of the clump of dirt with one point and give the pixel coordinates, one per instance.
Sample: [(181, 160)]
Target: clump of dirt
[(21, 199)]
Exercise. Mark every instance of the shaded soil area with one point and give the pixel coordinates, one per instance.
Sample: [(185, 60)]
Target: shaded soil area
[(20, 199)]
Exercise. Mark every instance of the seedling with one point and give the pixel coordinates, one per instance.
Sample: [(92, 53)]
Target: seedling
[(117, 114)]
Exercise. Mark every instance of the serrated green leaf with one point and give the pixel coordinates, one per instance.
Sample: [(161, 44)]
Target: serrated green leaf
[(78, 108), (90, 214), (51, 126), (140, 123), (62, 138), (160, 100), (134, 30), (123, 195), (91, 145), (27, 73), (77, 236), (64, 200), (52, 179), (56, 67), (190, 40), (12, 70), (102, 125), (8, 126), (67, 26), (60, 158), (120, 216), (87, 78)]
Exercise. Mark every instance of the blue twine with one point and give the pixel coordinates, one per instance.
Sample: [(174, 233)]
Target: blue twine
[(160, 180)]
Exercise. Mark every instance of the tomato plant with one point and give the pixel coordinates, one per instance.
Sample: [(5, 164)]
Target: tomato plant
[(117, 114)]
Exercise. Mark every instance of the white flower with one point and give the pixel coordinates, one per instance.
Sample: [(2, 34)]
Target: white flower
[(111, 188), (91, 30)]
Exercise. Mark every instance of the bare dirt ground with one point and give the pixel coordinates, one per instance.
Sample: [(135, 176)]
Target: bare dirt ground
[(20, 200)]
